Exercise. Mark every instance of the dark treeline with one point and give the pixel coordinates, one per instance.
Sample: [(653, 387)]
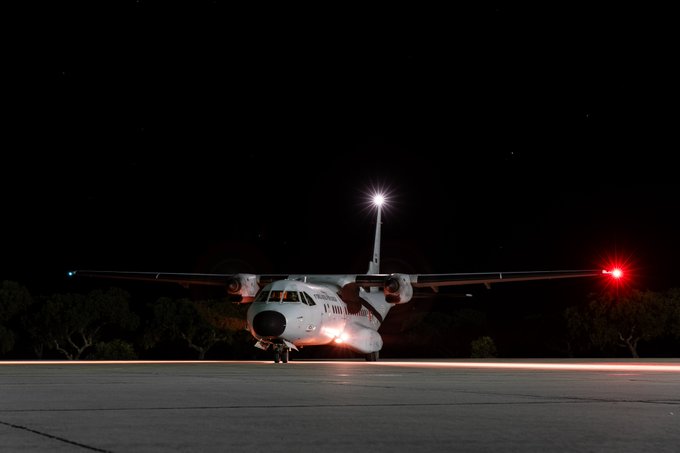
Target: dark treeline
[(112, 324), (108, 324)]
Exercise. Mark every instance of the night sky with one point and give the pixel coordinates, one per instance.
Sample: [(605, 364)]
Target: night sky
[(204, 137)]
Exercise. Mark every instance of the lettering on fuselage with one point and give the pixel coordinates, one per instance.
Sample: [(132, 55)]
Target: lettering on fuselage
[(342, 310), (323, 296)]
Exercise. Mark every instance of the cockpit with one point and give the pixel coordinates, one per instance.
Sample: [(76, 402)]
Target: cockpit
[(284, 296)]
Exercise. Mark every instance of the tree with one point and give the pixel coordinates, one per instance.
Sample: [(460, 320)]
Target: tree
[(114, 350), (199, 324), (483, 347), (578, 331), (14, 300), (72, 323), (623, 321), (672, 301)]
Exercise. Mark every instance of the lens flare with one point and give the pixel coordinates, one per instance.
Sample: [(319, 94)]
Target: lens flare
[(378, 197), (616, 273), (620, 271)]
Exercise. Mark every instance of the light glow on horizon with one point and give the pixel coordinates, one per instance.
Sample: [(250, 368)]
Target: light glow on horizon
[(545, 366), (520, 365)]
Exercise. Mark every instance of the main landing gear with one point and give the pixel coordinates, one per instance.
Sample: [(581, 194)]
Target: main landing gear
[(372, 356)]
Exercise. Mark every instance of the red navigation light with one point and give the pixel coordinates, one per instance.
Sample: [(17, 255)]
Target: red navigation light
[(621, 272), (616, 273)]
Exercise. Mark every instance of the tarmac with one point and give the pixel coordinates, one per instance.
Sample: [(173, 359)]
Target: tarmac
[(341, 406)]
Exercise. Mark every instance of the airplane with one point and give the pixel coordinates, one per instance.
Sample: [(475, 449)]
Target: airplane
[(291, 311)]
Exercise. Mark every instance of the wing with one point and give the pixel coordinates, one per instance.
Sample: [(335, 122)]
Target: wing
[(436, 280), (398, 288), (416, 280), (184, 279)]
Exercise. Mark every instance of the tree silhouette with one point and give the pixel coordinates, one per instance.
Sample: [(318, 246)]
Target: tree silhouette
[(623, 321), (72, 323), (672, 302), (199, 324), (14, 300)]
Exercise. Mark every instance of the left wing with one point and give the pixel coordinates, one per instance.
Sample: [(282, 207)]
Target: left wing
[(436, 280)]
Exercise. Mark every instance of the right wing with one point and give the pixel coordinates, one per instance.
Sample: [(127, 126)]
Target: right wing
[(184, 279)]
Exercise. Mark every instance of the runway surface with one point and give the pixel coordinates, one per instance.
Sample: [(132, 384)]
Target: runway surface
[(341, 406)]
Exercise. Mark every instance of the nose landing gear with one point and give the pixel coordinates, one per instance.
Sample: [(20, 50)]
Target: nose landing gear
[(281, 352)]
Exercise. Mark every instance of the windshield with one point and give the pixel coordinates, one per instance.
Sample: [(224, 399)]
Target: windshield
[(283, 296)]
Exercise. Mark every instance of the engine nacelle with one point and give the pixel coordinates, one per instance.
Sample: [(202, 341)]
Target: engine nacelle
[(242, 287), (398, 289)]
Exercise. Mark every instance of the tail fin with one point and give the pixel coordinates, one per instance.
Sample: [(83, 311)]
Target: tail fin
[(374, 265)]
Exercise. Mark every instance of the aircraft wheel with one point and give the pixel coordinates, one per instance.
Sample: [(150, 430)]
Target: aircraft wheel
[(284, 356), (277, 357)]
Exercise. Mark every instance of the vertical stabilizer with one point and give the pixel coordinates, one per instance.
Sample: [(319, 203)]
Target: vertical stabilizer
[(374, 265)]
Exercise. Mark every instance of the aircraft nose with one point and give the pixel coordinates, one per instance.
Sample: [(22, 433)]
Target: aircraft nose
[(269, 324)]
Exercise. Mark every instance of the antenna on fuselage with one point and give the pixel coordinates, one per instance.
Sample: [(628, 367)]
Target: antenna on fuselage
[(374, 265)]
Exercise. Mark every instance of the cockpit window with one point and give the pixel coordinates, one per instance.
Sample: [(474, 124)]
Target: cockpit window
[(291, 296), (307, 299), (262, 296), (285, 296), (274, 296)]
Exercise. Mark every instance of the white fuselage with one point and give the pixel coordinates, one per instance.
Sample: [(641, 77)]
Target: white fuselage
[(306, 313)]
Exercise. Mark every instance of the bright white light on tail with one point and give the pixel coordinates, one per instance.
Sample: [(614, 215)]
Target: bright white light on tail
[(378, 196)]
